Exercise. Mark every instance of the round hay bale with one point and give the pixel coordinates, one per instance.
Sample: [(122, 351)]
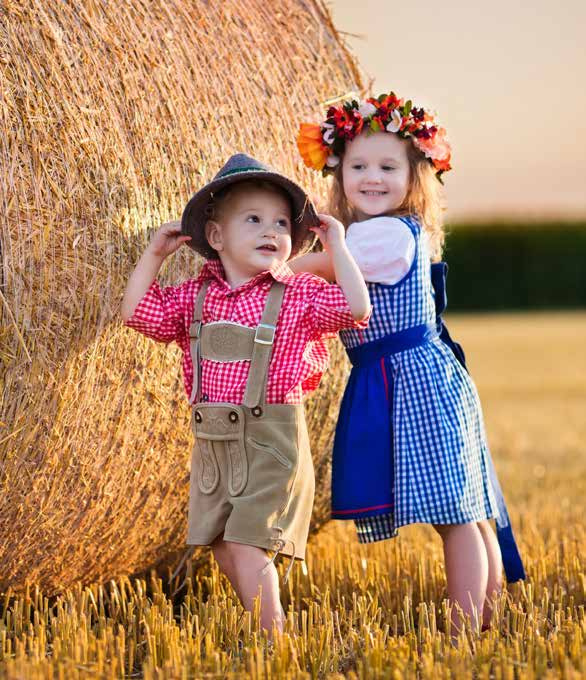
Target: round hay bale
[(112, 115)]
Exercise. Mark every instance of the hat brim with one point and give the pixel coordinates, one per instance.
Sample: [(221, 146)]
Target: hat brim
[(194, 216)]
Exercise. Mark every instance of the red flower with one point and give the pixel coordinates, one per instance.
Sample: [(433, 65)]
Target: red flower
[(418, 114), (348, 122), (391, 101)]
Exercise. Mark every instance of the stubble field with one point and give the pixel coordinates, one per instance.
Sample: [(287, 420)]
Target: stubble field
[(370, 611)]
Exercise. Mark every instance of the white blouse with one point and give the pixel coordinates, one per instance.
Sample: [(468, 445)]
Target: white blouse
[(383, 247)]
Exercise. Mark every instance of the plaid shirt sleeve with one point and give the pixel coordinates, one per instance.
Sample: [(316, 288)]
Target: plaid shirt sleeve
[(327, 309), (160, 314)]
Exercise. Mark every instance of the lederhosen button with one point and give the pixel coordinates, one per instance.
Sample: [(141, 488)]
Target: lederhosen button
[(197, 417), (256, 411), (233, 417)]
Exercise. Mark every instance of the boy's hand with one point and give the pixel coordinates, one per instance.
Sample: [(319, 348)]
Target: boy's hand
[(331, 232), (167, 239)]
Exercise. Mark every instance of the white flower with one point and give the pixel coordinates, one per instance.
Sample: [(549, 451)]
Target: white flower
[(328, 135), (366, 109), (332, 161), (396, 121)]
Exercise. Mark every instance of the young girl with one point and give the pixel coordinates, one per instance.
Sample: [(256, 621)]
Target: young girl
[(410, 425)]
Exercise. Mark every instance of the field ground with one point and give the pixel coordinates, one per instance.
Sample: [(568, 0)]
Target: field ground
[(372, 611)]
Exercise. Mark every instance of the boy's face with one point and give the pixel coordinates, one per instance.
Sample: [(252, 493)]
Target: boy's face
[(251, 233)]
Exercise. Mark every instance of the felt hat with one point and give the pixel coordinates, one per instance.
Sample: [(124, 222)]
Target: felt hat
[(239, 168)]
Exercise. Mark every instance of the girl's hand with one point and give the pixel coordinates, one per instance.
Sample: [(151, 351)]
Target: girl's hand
[(167, 239), (330, 232), (346, 272)]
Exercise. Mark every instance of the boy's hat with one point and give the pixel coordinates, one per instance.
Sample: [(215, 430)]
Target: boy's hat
[(238, 168)]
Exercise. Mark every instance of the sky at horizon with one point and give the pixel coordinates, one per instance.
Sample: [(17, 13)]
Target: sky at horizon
[(507, 81)]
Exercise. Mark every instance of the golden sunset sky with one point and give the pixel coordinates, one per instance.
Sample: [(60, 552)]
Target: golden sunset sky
[(508, 81)]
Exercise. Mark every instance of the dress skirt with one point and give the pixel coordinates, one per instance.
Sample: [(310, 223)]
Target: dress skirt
[(405, 455)]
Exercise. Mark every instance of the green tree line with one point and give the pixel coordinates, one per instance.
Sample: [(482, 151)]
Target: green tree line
[(500, 266)]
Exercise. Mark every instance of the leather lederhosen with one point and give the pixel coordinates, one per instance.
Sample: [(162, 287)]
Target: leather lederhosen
[(252, 476)]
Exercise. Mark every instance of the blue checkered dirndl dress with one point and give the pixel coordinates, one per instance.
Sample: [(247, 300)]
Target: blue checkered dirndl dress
[(410, 444)]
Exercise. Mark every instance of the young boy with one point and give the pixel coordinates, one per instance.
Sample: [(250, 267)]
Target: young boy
[(252, 333)]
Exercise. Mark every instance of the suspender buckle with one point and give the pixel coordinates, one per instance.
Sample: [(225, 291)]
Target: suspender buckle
[(265, 337), (195, 329)]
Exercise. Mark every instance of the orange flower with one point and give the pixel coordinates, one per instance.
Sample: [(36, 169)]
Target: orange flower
[(311, 147), (442, 165)]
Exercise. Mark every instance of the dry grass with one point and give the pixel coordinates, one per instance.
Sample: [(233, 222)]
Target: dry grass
[(370, 611), (111, 115)]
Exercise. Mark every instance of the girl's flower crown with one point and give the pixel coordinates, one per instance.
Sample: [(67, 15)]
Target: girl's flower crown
[(322, 145)]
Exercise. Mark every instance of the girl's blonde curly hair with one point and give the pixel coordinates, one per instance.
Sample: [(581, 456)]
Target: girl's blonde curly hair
[(423, 199)]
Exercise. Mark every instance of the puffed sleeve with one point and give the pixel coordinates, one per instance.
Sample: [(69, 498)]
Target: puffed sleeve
[(327, 310), (161, 314), (383, 247)]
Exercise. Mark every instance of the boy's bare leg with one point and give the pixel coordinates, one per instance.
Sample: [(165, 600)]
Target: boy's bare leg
[(244, 566), (223, 556)]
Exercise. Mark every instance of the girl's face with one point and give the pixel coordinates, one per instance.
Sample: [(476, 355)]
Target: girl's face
[(375, 173)]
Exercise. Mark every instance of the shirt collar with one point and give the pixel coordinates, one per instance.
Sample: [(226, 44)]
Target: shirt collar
[(281, 271)]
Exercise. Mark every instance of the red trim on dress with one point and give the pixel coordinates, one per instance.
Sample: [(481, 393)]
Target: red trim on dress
[(384, 370), (374, 507)]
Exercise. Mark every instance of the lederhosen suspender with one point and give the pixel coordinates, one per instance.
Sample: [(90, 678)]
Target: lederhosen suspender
[(253, 344)]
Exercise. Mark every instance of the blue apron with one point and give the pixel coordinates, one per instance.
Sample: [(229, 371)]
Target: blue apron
[(360, 490), (439, 273)]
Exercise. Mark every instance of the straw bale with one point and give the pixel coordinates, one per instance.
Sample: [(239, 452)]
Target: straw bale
[(112, 114)]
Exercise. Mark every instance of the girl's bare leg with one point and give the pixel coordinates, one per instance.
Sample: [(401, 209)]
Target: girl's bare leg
[(495, 568), (466, 560)]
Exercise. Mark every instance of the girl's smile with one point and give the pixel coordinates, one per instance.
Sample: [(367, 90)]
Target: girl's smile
[(375, 173)]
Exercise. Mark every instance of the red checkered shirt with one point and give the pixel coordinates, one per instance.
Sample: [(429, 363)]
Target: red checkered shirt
[(312, 311)]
